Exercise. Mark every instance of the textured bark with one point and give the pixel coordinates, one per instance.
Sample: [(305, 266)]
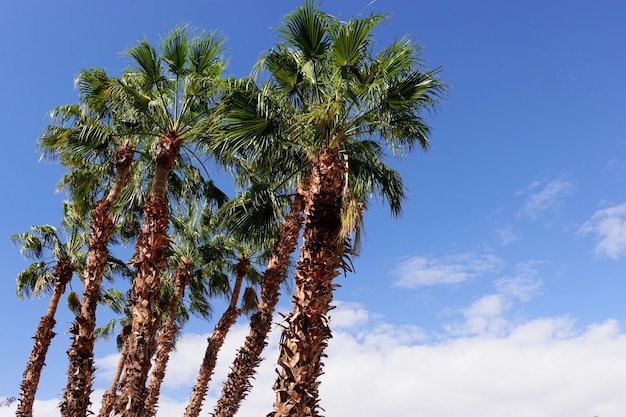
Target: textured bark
[(43, 338), (76, 398), (214, 345), (307, 329), (248, 357), (167, 152), (149, 260), (165, 341)]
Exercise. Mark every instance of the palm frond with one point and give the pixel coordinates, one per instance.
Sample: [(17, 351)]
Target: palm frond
[(350, 41), (36, 280), (147, 61), (306, 30), (114, 299), (206, 54), (174, 50), (254, 214)]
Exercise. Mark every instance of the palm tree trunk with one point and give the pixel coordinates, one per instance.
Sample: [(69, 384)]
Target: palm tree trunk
[(77, 393), (43, 338), (165, 341), (110, 395), (305, 338), (248, 357), (149, 260), (215, 343)]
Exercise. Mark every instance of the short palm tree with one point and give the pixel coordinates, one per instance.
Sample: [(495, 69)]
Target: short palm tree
[(239, 263), (106, 332), (56, 263)]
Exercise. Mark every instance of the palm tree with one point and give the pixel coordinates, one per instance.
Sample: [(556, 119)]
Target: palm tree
[(241, 265), (56, 263), (252, 140), (172, 93), (248, 357), (193, 228), (346, 97), (166, 337), (186, 181), (89, 140)]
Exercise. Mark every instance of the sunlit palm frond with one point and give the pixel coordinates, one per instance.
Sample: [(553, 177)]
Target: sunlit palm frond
[(174, 50), (34, 281), (147, 62), (350, 41), (306, 30), (206, 54)]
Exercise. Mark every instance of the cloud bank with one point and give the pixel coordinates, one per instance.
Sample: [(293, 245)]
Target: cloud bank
[(545, 367)]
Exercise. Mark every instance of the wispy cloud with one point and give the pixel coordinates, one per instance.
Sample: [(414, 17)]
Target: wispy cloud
[(614, 164), (506, 235), (609, 227), (544, 197), (523, 285), (487, 315), (419, 271)]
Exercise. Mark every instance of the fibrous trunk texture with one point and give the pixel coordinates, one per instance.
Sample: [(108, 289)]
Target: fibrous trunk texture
[(149, 260), (43, 338), (248, 357), (165, 340), (307, 329), (76, 398), (215, 342)]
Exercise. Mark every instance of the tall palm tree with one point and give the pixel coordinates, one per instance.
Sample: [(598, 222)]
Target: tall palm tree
[(56, 263), (90, 140), (186, 182), (171, 91), (346, 97)]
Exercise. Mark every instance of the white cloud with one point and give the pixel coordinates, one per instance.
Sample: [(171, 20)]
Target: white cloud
[(609, 227), (487, 315), (541, 368), (547, 198), (484, 316), (349, 316), (418, 271), (506, 235), (523, 285)]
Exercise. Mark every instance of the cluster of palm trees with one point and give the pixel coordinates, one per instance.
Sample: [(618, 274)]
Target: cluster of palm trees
[(305, 139)]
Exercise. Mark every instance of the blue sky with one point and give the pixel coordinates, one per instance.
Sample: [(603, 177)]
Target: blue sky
[(500, 289)]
